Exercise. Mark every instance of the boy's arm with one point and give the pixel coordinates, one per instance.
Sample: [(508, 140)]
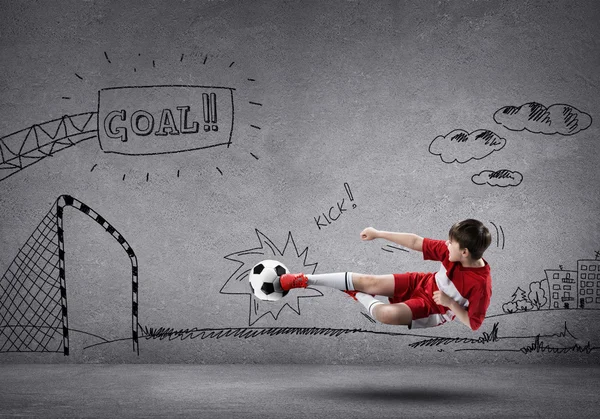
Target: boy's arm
[(412, 241), (443, 299), (461, 314)]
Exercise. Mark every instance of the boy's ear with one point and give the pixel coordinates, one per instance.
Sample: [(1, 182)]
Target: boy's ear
[(465, 252)]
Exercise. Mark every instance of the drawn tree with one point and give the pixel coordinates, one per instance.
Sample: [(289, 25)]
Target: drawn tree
[(523, 305), (537, 294), (519, 302), (518, 295), (509, 307)]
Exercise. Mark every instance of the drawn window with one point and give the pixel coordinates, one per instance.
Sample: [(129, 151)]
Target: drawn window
[(582, 284), (589, 291), (582, 276), (581, 292), (591, 276), (584, 267), (567, 294), (555, 287), (589, 300), (598, 291), (592, 267), (556, 275), (589, 284), (556, 304), (567, 288), (555, 295)]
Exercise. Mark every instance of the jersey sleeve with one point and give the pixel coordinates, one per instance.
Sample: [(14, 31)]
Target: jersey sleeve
[(434, 249), (479, 301)]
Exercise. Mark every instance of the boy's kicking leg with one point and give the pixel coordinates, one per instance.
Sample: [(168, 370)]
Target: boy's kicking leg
[(345, 281), (366, 285)]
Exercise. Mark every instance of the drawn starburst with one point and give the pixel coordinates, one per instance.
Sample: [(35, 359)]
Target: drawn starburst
[(296, 261)]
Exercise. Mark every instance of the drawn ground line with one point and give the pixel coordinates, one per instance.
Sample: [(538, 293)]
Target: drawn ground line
[(276, 330), (541, 309), (171, 334)]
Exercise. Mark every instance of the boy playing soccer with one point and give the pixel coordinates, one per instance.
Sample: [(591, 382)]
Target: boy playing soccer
[(460, 289)]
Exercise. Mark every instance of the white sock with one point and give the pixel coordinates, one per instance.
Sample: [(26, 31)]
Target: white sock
[(339, 280), (368, 301)]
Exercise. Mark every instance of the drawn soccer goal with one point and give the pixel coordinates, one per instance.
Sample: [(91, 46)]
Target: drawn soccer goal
[(33, 300)]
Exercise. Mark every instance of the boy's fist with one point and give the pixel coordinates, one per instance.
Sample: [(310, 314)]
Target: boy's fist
[(368, 233), (442, 299)]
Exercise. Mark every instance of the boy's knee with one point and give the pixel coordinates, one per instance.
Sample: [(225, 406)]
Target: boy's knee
[(393, 314), (363, 282)]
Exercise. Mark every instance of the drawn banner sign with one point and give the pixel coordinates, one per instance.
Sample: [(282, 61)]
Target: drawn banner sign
[(144, 120)]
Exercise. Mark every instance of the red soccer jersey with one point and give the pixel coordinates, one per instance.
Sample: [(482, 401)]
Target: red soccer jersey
[(470, 287)]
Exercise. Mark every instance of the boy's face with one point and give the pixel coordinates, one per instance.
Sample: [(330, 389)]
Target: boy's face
[(456, 253)]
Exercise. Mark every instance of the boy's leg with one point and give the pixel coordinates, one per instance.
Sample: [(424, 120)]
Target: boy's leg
[(368, 286), (397, 314), (345, 281)]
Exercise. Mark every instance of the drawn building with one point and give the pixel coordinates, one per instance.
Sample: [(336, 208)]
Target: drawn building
[(588, 273), (563, 288)]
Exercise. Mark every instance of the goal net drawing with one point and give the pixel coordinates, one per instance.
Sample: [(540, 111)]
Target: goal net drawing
[(33, 290)]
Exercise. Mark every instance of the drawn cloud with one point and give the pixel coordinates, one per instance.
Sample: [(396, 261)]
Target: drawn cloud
[(460, 146), (535, 117), (501, 178)]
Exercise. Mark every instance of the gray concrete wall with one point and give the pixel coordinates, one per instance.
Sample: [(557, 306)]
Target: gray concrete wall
[(321, 106)]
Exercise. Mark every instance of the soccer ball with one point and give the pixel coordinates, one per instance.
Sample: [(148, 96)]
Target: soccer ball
[(264, 280)]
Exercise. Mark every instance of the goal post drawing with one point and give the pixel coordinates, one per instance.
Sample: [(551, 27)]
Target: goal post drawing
[(33, 299)]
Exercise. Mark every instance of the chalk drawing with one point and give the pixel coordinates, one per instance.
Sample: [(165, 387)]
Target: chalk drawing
[(296, 261), (539, 119), (28, 146), (561, 289), (134, 121), (500, 237), (33, 303), (391, 248), (460, 146), (562, 342), (502, 178), (164, 119), (334, 212)]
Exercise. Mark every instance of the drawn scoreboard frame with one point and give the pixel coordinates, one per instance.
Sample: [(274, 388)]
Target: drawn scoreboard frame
[(164, 119)]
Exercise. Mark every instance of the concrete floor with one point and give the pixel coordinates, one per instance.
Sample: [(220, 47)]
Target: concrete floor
[(298, 391)]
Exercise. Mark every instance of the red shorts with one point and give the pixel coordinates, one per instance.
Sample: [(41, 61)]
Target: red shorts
[(410, 289)]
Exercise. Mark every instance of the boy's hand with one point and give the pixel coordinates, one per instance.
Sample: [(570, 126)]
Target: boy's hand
[(442, 298), (368, 233)]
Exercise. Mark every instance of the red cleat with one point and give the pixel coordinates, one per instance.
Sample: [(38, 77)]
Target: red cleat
[(289, 281), (351, 294)]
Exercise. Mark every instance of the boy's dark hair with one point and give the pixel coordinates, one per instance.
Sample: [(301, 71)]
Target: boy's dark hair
[(472, 235)]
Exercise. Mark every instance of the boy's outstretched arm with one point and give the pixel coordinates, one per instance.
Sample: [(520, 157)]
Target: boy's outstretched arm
[(412, 241)]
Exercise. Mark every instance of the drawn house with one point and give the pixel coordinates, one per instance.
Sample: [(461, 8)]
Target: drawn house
[(588, 272), (563, 288)]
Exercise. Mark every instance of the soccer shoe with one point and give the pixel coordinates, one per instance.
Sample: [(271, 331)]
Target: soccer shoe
[(351, 294), (289, 281)]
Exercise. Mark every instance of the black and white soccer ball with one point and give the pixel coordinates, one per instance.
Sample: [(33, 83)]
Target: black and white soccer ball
[(264, 280)]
